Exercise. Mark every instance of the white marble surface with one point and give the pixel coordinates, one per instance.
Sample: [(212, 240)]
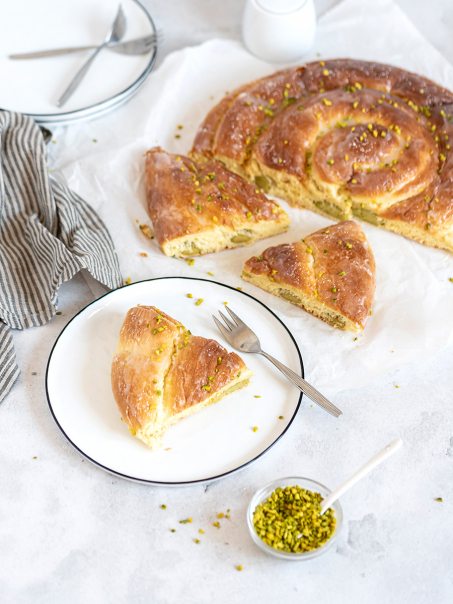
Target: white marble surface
[(72, 533)]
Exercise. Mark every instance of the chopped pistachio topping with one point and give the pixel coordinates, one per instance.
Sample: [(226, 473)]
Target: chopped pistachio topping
[(163, 506)]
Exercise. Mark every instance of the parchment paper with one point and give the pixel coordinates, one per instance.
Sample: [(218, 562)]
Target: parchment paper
[(413, 309)]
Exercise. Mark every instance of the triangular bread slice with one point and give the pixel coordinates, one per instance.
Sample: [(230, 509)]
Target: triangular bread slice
[(161, 373), (201, 209), (330, 274)]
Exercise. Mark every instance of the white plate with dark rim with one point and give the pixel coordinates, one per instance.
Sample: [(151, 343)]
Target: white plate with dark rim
[(204, 447), (33, 86)]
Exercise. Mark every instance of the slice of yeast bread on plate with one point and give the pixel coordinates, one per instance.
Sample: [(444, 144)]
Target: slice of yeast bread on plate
[(161, 373)]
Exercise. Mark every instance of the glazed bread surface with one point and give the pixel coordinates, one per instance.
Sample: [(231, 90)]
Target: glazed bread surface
[(330, 274), (161, 373), (344, 138), (201, 209)]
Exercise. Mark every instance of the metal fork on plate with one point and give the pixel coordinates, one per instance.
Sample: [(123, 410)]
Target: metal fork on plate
[(115, 33), (243, 339)]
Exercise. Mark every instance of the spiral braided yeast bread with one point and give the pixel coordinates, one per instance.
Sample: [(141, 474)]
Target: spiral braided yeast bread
[(344, 138)]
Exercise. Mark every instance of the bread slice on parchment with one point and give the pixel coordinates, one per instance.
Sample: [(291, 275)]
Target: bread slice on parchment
[(161, 373), (201, 209), (330, 274)]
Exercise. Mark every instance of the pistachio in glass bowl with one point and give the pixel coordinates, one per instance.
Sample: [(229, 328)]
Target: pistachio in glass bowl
[(284, 521)]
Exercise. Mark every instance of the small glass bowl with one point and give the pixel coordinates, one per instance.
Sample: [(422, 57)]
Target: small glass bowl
[(292, 481)]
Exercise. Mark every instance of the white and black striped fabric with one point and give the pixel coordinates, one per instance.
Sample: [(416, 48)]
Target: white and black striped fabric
[(47, 235)]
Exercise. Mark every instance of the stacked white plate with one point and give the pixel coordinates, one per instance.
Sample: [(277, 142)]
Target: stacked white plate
[(33, 86)]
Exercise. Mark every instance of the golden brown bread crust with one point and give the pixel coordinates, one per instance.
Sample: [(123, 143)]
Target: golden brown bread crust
[(160, 370), (138, 361), (334, 266), (193, 367), (345, 137), (185, 199)]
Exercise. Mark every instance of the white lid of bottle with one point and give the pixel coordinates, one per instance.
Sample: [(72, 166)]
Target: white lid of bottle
[(280, 7)]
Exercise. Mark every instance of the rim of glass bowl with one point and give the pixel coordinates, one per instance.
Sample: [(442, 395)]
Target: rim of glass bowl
[(306, 483)]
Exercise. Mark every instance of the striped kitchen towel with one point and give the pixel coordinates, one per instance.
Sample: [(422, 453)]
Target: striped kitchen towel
[(47, 235)]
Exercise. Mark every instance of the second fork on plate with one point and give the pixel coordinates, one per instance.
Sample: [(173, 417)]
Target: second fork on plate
[(243, 339)]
